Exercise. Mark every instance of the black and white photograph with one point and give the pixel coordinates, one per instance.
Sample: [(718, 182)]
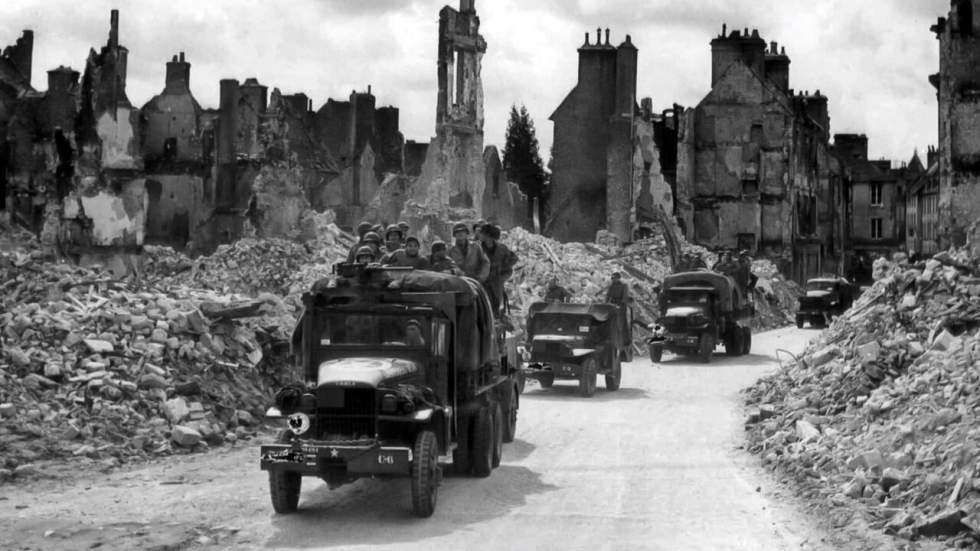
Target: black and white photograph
[(490, 274)]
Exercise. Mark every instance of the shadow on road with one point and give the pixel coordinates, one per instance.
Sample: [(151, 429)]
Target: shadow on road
[(719, 359), (568, 391), (374, 512)]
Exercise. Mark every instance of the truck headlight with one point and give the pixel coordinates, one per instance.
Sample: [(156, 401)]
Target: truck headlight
[(299, 423)]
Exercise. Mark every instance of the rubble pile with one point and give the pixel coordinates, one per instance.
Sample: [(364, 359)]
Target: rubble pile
[(880, 413), (776, 299), (585, 270), (97, 368)]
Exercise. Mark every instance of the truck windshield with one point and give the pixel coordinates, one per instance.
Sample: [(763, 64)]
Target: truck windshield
[(820, 286), (688, 297), (367, 329)]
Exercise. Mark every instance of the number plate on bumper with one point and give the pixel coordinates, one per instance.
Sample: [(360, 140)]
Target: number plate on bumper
[(307, 459)]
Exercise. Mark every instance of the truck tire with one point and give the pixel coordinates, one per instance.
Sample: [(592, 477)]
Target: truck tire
[(510, 417), (463, 452), (521, 382), (498, 434), (706, 348), (284, 487), (733, 342), (747, 340), (615, 374), (587, 377), (425, 474), (800, 322), (546, 380), (656, 353), (481, 458)]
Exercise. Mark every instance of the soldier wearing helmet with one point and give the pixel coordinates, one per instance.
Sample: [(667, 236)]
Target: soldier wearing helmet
[(364, 255), (362, 230), (469, 256), (393, 238)]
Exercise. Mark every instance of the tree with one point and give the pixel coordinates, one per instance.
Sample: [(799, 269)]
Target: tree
[(522, 161)]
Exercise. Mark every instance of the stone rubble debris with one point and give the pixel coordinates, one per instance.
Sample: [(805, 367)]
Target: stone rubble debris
[(895, 382), (185, 353)]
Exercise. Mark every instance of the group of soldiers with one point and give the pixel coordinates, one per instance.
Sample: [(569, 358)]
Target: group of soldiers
[(478, 254), (617, 292)]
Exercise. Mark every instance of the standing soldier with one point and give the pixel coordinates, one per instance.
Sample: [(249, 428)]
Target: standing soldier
[(440, 262), (618, 293), (502, 262), (468, 256), (697, 263)]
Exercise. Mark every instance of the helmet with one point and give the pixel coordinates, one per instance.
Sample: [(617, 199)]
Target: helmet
[(363, 228), (438, 245), (491, 231), (413, 239), (363, 251), (372, 237), (393, 228), (404, 226), (460, 227)]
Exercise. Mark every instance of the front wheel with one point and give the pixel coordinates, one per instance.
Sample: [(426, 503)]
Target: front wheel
[(425, 474), (587, 377), (546, 380), (656, 353), (284, 488), (799, 322)]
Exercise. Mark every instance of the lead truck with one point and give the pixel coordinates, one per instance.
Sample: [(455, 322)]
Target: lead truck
[(405, 372)]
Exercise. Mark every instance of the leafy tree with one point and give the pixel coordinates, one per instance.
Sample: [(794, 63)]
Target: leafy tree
[(522, 160)]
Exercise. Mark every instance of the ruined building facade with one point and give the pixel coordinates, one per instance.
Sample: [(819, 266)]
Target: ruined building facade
[(874, 204), (958, 91), (754, 170), (97, 175), (608, 170)]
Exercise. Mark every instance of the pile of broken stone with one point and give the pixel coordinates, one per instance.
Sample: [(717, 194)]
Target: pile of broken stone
[(880, 413), (109, 371), (586, 269)]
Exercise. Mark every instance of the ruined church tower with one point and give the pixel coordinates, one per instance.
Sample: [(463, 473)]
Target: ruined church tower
[(453, 174)]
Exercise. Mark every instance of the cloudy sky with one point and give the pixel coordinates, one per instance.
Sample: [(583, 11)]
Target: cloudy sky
[(871, 57)]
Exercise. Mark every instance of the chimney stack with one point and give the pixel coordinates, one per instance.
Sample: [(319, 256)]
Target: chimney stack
[(113, 28)]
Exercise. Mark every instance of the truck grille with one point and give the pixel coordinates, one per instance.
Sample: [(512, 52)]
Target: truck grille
[(347, 413)]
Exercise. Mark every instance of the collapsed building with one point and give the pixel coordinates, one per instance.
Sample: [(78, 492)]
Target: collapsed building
[(613, 160), (958, 92), (874, 203), (754, 166), (98, 176)]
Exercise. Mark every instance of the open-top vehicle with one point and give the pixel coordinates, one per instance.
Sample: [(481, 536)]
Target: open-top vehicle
[(824, 298), (404, 370), (698, 311), (578, 341)]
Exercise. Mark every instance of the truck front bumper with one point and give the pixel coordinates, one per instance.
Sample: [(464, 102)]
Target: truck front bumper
[(315, 458)]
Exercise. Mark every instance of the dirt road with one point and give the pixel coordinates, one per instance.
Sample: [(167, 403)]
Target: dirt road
[(657, 465)]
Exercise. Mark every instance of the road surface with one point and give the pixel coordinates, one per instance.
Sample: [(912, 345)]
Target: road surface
[(656, 465)]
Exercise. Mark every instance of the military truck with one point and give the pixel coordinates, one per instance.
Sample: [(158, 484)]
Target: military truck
[(578, 341), (698, 311), (404, 371), (824, 298)]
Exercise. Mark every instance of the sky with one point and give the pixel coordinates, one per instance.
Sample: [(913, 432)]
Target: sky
[(872, 58)]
